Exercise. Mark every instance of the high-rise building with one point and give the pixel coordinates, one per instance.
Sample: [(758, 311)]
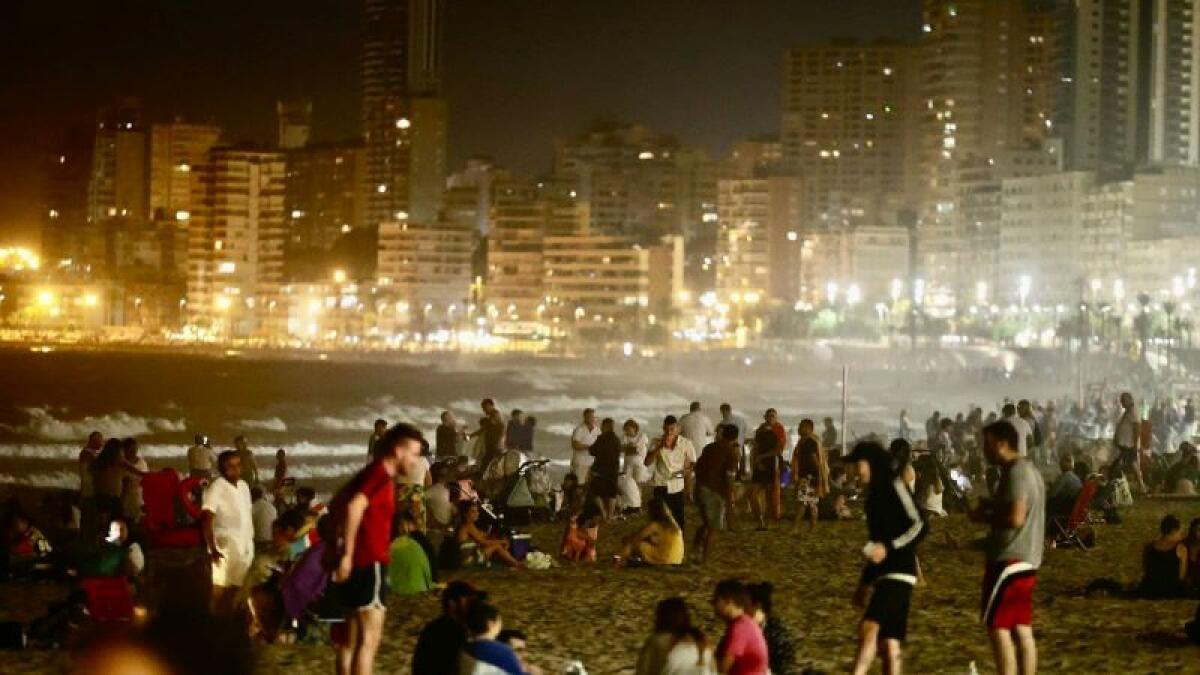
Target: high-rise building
[(848, 123), (425, 269), (514, 253), (236, 242), (65, 208), (1130, 77), (295, 123), (636, 183), (986, 80), (117, 187), (594, 283), (759, 240), (324, 202), (176, 149), (404, 115)]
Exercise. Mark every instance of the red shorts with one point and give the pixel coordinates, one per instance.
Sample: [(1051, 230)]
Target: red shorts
[(1008, 594)]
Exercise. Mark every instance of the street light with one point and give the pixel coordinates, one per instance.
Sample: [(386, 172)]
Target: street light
[(853, 295)]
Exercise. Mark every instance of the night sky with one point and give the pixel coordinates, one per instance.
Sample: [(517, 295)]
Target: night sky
[(519, 72)]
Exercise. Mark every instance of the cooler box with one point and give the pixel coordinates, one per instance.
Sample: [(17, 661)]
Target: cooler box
[(521, 546)]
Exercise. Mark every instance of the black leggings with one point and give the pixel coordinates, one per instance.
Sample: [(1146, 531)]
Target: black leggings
[(674, 502)]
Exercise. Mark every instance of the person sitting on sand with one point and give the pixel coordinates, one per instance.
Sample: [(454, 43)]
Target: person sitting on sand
[(580, 535), (516, 638), (484, 654), (659, 542), (743, 649), (781, 644), (1184, 475), (410, 571), (677, 646), (474, 544), (572, 494), (1192, 542), (442, 639), (1060, 498), (27, 550), (1165, 562)]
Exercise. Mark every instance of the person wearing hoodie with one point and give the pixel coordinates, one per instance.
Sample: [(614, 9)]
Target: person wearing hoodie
[(895, 528)]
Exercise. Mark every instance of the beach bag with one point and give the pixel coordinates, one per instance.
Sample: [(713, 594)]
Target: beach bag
[(1122, 496), (305, 582)]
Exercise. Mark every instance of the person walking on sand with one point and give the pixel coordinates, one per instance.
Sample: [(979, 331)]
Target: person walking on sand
[(894, 528), (227, 524), (1126, 439), (363, 510), (1016, 515), (671, 458), (715, 472)]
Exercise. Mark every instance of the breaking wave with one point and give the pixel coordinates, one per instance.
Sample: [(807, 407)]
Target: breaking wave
[(44, 425)]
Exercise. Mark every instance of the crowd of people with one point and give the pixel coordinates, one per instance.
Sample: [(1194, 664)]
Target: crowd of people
[(278, 557)]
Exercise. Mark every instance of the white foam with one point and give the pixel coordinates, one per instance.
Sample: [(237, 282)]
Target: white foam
[(43, 479), (43, 424), (267, 424), (362, 418)]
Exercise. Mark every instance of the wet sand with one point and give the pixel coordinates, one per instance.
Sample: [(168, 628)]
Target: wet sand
[(601, 616)]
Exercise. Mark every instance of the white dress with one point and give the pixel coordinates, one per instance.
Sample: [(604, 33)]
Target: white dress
[(658, 657)]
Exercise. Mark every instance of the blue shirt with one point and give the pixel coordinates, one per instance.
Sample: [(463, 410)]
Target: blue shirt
[(496, 654)]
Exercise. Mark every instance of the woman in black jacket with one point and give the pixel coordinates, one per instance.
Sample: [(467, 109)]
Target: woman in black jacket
[(895, 527)]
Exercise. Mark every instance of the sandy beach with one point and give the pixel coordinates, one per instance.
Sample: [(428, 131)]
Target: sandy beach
[(601, 615)]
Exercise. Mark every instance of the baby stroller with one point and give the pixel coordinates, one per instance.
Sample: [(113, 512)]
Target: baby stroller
[(516, 499)]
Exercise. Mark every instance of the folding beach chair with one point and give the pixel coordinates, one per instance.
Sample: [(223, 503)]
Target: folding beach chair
[(107, 598), (1068, 531), (164, 495)]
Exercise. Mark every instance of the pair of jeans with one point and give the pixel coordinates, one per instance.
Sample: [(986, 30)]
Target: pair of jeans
[(674, 500)]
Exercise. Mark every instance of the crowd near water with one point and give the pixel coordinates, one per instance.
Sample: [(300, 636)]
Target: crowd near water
[(256, 557)]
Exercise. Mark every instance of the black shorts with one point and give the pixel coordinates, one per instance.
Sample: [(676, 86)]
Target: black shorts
[(889, 608), (1129, 457), (366, 588), (603, 486)]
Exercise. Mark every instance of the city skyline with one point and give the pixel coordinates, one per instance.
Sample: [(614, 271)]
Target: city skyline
[(511, 92)]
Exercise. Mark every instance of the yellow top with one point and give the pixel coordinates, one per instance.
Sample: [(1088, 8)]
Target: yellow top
[(663, 546)]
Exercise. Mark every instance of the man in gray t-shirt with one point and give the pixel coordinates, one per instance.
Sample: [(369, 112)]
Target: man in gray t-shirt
[(1020, 483), (1016, 516)]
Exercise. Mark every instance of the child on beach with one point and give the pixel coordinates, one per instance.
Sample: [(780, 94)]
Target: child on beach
[(806, 504), (742, 649), (580, 535)]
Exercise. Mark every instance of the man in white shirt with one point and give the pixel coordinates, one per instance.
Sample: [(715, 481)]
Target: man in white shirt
[(581, 441), (696, 427), (671, 458), (439, 509), (263, 513), (1009, 413), (201, 458), (228, 527), (1127, 439)]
